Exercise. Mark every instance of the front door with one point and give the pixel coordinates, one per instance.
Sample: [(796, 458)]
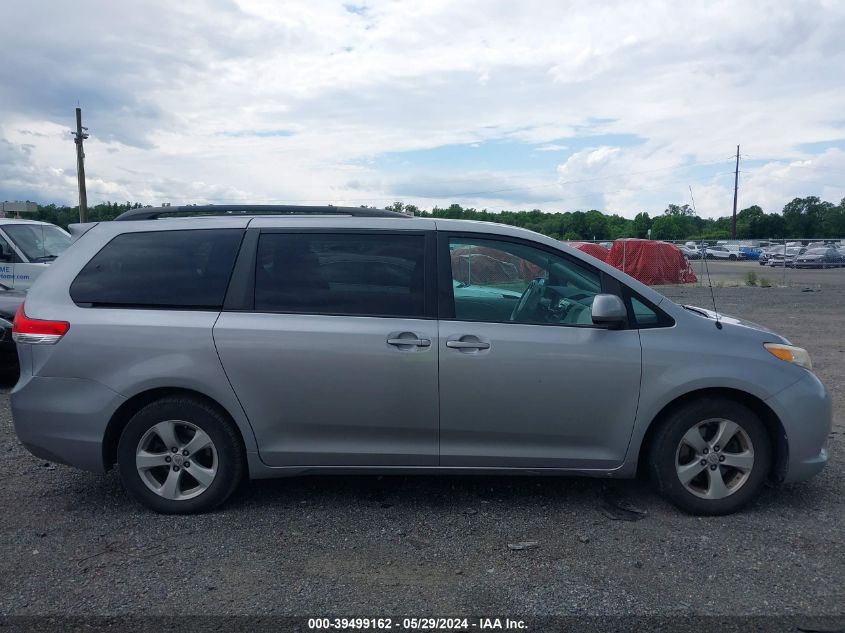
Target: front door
[(526, 379), (335, 363)]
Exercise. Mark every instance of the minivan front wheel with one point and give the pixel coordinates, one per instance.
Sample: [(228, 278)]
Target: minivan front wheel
[(179, 455), (711, 456)]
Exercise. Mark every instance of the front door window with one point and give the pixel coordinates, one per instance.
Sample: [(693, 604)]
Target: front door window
[(501, 281)]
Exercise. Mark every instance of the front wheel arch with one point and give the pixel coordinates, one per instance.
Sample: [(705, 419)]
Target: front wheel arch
[(773, 425)]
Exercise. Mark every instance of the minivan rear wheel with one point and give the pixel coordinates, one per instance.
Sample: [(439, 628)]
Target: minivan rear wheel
[(710, 456), (178, 455)]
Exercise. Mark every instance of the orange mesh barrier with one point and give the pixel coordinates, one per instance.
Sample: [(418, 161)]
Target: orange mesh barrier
[(483, 265), (652, 263), (596, 250)]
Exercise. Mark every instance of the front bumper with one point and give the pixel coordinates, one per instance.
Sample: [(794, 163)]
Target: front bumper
[(806, 412), (64, 420)]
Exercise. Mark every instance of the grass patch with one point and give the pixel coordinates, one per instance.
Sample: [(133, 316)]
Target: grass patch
[(750, 278)]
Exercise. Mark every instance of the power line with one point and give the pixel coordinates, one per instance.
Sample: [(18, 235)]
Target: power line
[(605, 192), (808, 182), (454, 197), (572, 182), (836, 169), (486, 192), (787, 163)]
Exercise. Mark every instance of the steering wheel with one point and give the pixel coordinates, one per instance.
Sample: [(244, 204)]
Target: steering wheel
[(530, 299)]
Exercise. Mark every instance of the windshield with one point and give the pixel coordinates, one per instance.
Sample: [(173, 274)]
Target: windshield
[(38, 242)]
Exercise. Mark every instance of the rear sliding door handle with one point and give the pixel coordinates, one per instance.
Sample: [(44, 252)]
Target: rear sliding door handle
[(416, 342), (467, 345)]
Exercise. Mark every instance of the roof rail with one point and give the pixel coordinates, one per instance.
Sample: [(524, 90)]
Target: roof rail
[(153, 213), (78, 229)]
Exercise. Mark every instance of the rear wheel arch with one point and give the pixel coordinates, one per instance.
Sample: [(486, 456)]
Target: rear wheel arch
[(773, 425), (124, 413)]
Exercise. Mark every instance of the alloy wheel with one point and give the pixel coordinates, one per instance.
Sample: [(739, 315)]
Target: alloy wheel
[(176, 460), (714, 458)]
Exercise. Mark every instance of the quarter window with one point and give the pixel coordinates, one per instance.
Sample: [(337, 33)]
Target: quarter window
[(503, 281), (350, 274), (166, 269), (644, 315)]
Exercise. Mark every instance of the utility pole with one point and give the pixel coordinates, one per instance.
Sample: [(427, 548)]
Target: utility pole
[(80, 135), (736, 188)]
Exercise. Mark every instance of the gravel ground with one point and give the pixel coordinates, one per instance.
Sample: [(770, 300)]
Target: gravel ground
[(74, 543)]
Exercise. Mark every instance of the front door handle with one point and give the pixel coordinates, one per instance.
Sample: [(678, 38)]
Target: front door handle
[(467, 345), (415, 342)]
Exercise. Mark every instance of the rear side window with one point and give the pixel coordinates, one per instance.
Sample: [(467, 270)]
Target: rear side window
[(160, 269), (350, 274)]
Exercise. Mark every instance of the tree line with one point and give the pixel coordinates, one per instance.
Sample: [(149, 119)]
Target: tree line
[(802, 218)]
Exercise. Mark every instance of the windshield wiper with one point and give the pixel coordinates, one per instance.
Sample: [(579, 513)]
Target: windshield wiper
[(45, 258), (700, 311)]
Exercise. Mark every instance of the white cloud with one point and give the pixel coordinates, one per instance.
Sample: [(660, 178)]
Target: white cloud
[(260, 100)]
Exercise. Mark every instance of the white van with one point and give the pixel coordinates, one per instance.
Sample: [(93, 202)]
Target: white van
[(27, 247)]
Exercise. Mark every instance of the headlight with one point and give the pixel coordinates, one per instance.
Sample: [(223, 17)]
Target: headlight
[(790, 354)]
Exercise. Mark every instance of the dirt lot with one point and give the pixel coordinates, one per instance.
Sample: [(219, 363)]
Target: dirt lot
[(73, 542)]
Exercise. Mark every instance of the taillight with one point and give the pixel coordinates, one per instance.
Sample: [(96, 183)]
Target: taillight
[(37, 331)]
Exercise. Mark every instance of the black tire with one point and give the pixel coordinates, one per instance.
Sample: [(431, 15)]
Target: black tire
[(663, 455), (230, 460), (732, 258)]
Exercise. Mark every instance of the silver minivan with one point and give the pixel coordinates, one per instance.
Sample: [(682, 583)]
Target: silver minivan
[(194, 352)]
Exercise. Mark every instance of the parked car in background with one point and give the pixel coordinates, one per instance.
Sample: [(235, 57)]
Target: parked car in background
[(245, 351), (770, 252), (781, 258), (10, 301), (752, 253), (823, 257), (8, 351), (690, 253), (27, 248), (723, 252)]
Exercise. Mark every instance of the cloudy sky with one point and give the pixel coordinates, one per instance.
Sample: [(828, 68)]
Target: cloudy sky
[(618, 106)]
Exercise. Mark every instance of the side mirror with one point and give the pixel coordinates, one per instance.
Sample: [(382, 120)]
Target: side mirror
[(608, 310)]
